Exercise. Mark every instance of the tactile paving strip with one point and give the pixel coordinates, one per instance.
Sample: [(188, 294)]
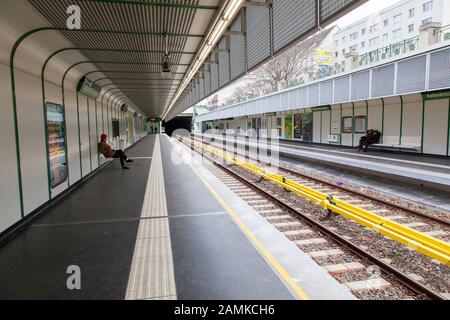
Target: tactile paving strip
[(152, 274)]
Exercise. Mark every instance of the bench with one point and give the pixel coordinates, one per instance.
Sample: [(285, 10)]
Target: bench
[(396, 147), (409, 144)]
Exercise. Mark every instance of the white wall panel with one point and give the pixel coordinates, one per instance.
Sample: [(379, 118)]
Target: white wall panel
[(347, 111), (336, 119), (93, 132), (325, 125), (73, 146), (84, 134), (360, 110), (392, 112), (316, 127), (33, 153), (412, 120), (436, 127), (9, 183), (375, 115)]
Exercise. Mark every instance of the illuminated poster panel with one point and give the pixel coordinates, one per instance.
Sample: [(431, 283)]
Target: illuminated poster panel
[(288, 127), (56, 135)]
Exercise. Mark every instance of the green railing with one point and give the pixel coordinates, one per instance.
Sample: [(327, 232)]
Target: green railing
[(443, 34)]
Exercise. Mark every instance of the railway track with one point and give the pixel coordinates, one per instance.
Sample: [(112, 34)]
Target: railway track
[(367, 275), (387, 203)]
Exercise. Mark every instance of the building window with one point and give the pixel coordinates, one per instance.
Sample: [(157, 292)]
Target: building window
[(336, 43), (426, 21), (398, 18), (397, 33), (412, 12), (428, 6), (343, 52), (344, 39), (363, 44), (385, 37), (411, 28), (363, 31), (373, 28), (386, 22), (354, 36), (374, 41), (354, 48)]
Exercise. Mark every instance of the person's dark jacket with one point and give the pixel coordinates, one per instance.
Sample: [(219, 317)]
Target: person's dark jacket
[(374, 137)]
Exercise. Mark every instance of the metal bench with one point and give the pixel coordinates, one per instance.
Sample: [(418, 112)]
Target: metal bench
[(396, 147)]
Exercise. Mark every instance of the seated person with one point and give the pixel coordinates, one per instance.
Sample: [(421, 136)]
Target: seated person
[(108, 152), (371, 137)]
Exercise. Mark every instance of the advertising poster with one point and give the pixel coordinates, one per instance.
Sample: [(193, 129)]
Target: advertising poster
[(288, 127), (297, 127), (307, 127), (56, 144)]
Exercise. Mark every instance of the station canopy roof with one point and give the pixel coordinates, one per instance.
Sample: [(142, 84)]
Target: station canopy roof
[(210, 42)]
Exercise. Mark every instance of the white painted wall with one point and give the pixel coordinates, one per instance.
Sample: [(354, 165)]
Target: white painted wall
[(316, 127), (33, 154), (325, 125), (84, 134), (412, 120), (9, 185), (392, 112), (73, 144), (436, 126)]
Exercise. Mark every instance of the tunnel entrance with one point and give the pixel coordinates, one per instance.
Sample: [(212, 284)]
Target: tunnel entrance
[(180, 122)]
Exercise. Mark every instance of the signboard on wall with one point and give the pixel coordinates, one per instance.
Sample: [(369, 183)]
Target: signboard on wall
[(442, 94), (56, 136), (347, 124), (360, 124), (307, 127), (88, 88)]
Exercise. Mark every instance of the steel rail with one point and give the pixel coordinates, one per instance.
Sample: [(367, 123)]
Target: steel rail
[(404, 279), (421, 242), (359, 193)]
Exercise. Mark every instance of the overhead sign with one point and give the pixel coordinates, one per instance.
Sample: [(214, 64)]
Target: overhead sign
[(324, 108), (443, 94), (88, 88)]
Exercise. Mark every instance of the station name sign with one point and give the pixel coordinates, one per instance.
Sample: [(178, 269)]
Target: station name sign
[(443, 94), (88, 88)]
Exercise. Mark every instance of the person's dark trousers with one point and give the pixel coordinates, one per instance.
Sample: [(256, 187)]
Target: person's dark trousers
[(122, 156)]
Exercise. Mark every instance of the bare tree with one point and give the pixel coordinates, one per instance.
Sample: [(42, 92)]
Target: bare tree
[(292, 64)]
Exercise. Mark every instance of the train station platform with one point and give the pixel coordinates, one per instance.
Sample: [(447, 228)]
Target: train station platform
[(167, 229), (420, 170)]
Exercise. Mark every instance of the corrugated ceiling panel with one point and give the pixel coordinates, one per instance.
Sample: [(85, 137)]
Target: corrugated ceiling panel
[(258, 35), (292, 19), (237, 51)]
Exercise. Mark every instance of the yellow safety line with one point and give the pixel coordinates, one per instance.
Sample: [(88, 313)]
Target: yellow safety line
[(262, 249), (428, 245)]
